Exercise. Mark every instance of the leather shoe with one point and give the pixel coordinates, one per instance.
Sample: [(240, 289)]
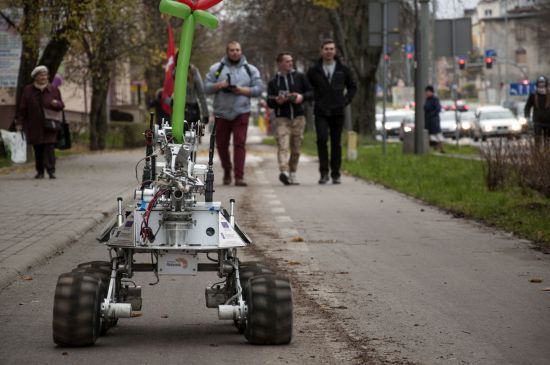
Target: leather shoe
[(336, 180), (227, 178), (240, 182), (52, 176), (323, 180), (39, 176)]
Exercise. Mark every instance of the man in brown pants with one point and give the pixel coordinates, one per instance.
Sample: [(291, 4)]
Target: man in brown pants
[(287, 92)]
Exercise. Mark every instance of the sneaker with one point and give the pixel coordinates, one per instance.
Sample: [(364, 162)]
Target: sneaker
[(52, 175), (336, 180), (284, 178), (39, 176), (293, 180), (323, 180)]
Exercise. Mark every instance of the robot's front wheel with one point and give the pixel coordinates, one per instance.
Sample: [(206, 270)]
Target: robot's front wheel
[(76, 309), (269, 320)]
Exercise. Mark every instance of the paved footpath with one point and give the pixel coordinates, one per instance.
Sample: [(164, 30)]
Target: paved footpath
[(40, 217)]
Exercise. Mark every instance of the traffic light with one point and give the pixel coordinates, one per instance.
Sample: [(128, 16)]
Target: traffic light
[(387, 58), (461, 63), (488, 62), (525, 82)]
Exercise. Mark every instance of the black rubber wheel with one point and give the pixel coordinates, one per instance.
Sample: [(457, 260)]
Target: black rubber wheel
[(248, 270), (269, 319), (76, 309), (104, 265), (105, 277)]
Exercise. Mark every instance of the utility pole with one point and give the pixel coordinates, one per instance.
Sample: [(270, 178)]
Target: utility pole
[(434, 58), (506, 51), (422, 41), (384, 70)]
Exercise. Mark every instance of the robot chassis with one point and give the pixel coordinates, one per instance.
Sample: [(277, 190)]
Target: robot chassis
[(167, 222)]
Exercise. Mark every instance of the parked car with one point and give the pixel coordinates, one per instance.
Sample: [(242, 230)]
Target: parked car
[(496, 121)]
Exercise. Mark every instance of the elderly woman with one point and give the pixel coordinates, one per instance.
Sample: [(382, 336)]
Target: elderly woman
[(40, 100)]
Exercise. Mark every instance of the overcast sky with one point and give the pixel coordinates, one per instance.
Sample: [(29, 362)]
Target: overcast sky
[(454, 8)]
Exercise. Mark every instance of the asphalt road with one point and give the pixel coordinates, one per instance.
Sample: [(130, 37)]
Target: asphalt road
[(377, 278)]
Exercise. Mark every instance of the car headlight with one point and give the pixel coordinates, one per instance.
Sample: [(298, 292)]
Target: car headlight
[(523, 121), (487, 128), (515, 127), (387, 127), (407, 129), (466, 125)]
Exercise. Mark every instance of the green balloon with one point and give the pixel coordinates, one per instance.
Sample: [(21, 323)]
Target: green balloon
[(179, 10)]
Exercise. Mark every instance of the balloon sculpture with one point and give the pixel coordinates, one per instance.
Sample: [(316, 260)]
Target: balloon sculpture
[(191, 12)]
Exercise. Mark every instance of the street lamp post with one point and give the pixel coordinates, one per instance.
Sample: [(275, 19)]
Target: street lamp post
[(421, 71)]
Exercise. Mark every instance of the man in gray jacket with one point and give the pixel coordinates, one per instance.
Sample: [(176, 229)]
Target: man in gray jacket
[(234, 82)]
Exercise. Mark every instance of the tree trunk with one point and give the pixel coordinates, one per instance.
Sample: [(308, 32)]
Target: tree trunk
[(30, 40), (53, 55), (98, 112)]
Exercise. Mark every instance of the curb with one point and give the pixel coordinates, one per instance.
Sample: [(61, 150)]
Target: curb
[(43, 250)]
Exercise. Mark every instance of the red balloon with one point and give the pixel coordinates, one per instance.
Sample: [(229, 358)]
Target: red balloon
[(205, 4), (188, 3)]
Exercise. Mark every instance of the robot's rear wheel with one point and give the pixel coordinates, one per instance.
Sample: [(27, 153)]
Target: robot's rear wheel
[(269, 319), (76, 309)]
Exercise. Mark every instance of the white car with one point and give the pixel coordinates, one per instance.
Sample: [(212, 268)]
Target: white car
[(448, 123), (394, 120), (496, 121)]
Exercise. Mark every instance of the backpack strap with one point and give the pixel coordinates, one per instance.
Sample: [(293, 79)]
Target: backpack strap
[(219, 70), (222, 65)]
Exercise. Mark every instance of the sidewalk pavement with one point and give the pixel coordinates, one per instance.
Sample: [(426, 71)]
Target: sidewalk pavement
[(40, 217)]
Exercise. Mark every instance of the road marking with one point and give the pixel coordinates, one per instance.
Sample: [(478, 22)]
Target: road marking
[(283, 219), (278, 210), (275, 202), (271, 196)]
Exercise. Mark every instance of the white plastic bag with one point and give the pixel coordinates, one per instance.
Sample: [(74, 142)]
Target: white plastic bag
[(17, 144)]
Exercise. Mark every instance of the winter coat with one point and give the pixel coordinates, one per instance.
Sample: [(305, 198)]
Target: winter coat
[(293, 82), (31, 114), (329, 95), (541, 107), (432, 108), (228, 105)]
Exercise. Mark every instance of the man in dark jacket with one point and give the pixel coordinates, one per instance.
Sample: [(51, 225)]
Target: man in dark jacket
[(432, 123), (334, 88), (540, 102), (286, 93)]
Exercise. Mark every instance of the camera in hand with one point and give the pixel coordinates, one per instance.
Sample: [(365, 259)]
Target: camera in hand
[(230, 87)]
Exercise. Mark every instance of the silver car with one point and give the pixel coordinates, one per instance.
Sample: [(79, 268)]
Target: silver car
[(496, 121)]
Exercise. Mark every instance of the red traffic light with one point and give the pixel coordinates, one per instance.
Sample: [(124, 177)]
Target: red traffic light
[(387, 57), (462, 63), (489, 62), (525, 82)]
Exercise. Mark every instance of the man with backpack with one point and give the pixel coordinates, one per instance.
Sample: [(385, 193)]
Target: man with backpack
[(233, 81), (539, 101)]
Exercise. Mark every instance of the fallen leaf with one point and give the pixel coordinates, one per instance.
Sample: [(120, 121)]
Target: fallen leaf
[(26, 277), (294, 263), (535, 280), (297, 239), (64, 353), (164, 316), (343, 272), (545, 289)]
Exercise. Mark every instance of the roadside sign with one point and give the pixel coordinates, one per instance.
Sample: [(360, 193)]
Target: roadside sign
[(490, 53), (521, 89)]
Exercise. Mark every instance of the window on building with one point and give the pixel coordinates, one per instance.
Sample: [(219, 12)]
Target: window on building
[(488, 12)]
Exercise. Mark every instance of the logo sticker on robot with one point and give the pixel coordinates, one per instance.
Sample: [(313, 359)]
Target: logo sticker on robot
[(183, 262), (227, 235)]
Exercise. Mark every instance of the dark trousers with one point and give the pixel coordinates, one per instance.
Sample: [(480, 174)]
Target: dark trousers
[(542, 135), (224, 128), (325, 126), (44, 157)]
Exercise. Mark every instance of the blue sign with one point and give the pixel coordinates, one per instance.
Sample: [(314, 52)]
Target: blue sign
[(409, 48), (521, 89), (490, 53)]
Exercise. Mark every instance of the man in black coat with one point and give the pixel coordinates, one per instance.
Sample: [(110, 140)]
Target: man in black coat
[(286, 93), (540, 102), (334, 88)]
